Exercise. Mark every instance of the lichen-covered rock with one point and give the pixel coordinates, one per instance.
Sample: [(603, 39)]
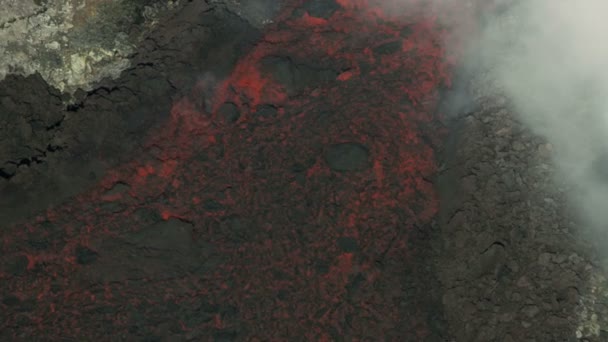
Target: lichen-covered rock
[(74, 43)]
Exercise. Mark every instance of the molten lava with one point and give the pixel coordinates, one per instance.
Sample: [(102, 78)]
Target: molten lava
[(291, 207)]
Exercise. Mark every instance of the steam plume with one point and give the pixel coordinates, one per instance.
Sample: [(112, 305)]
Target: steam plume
[(550, 59)]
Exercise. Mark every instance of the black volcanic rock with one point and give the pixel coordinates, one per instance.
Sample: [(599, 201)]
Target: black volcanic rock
[(347, 157)]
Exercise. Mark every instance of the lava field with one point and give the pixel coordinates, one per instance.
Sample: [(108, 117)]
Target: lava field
[(239, 184)]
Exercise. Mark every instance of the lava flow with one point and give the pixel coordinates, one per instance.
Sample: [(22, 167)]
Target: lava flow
[(290, 200)]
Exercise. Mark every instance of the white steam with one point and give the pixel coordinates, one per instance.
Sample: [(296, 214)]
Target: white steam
[(550, 57)]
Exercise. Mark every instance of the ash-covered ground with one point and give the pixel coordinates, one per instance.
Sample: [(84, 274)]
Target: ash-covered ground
[(285, 173)]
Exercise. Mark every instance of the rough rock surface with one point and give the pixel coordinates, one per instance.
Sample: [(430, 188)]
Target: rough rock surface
[(515, 265), (217, 180), (55, 144), (74, 44), (234, 183)]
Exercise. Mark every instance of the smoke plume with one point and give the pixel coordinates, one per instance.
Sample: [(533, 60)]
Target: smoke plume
[(550, 59)]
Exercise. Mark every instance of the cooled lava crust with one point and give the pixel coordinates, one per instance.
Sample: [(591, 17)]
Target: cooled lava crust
[(289, 198)]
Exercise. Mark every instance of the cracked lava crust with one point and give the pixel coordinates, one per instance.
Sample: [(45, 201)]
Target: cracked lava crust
[(287, 193)]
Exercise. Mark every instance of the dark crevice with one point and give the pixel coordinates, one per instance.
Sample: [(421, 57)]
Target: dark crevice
[(75, 107), (493, 245), (36, 159), (5, 174), (54, 148), (56, 124), (101, 90)]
